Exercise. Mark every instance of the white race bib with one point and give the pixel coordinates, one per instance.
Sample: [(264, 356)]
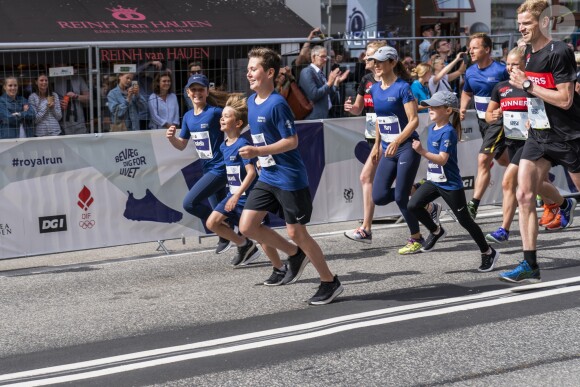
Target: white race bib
[(265, 161), (537, 114), (202, 145), (435, 173), (371, 125), (234, 178), (481, 106), (514, 124), (389, 128)]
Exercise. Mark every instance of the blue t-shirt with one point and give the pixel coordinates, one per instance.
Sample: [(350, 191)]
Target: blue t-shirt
[(236, 166), (480, 83), (391, 102), (420, 92), (445, 140), (207, 137), (271, 121)]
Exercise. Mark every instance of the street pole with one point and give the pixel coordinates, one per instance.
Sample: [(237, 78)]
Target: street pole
[(329, 14), (413, 29)]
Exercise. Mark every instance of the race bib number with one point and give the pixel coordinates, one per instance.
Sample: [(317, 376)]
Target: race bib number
[(435, 173), (514, 124), (265, 161), (537, 114), (371, 125), (389, 128), (202, 145), (481, 106), (234, 178)]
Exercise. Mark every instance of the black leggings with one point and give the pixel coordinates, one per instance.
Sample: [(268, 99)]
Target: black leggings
[(455, 199)]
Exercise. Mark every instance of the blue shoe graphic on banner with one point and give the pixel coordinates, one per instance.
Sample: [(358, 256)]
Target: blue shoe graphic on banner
[(150, 208)]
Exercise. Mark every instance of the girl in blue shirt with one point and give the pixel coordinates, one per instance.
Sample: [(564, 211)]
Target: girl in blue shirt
[(420, 86), (443, 177), (202, 123), (397, 120)]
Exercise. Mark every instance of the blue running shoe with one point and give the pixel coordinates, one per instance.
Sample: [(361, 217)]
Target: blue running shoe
[(523, 273), (501, 235), (567, 215)]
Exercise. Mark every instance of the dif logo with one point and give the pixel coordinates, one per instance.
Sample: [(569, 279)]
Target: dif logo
[(52, 223)]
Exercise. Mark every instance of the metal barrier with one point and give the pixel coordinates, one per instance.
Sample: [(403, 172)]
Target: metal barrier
[(224, 62)]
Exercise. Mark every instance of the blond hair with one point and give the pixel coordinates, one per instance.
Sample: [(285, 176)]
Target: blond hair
[(238, 103), (376, 44), (421, 69), (534, 7), (517, 51)]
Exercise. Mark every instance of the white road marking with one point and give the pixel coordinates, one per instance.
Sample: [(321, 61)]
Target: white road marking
[(314, 329)]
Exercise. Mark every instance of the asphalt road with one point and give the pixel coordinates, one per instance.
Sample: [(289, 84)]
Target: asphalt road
[(134, 316)]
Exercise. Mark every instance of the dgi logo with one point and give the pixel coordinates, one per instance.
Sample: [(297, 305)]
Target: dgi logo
[(52, 223)]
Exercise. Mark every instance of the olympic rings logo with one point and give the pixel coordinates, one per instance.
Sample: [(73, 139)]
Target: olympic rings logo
[(85, 224)]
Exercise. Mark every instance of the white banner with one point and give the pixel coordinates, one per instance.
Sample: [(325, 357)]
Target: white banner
[(361, 23), (79, 192)]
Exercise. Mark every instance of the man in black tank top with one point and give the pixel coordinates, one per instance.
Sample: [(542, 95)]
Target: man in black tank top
[(549, 78)]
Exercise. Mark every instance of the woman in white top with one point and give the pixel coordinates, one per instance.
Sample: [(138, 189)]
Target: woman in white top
[(441, 77), (163, 105), (46, 104)]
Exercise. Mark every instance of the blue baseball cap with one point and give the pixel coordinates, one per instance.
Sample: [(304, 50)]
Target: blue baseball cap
[(198, 79)]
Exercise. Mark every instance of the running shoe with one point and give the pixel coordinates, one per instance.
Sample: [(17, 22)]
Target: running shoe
[(564, 218), (550, 212), (360, 235), (436, 212), (327, 292), (488, 261), (413, 246), (432, 239), (276, 277), (501, 235), (222, 246), (471, 209), (246, 254), (296, 265), (523, 273)]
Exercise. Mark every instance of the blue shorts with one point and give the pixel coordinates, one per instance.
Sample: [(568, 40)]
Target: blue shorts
[(234, 215)]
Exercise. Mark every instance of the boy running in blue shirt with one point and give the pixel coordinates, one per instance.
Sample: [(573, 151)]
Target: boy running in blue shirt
[(283, 182), (241, 175)]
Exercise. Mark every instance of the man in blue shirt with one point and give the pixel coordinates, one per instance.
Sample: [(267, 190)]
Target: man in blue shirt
[(480, 78)]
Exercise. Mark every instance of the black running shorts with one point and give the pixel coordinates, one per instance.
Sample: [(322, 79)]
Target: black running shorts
[(296, 206), (493, 139), (562, 153), (515, 148)]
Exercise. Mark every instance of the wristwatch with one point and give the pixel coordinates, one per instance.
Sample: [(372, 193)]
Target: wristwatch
[(527, 84)]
